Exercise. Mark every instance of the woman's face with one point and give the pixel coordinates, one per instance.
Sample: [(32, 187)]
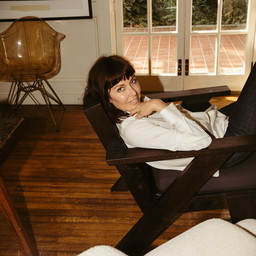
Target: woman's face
[(126, 94)]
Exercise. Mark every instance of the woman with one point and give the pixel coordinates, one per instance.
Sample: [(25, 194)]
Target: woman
[(152, 123)]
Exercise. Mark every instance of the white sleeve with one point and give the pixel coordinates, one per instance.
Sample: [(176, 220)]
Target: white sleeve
[(178, 132)]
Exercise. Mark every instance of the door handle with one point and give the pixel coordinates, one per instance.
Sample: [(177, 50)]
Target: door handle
[(179, 67), (186, 67)]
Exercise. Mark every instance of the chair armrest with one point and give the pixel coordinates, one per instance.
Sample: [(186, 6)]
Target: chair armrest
[(224, 145), (192, 94)]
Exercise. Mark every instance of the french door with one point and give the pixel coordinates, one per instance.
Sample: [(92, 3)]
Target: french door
[(182, 44)]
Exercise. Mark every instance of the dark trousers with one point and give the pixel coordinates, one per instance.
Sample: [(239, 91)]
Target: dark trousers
[(242, 115)]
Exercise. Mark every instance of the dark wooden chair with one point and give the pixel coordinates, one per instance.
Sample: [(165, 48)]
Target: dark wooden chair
[(190, 190)]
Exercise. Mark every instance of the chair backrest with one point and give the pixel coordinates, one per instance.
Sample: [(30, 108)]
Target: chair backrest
[(101, 123), (142, 185), (29, 47)]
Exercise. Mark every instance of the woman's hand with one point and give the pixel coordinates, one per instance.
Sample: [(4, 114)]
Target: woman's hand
[(147, 108)]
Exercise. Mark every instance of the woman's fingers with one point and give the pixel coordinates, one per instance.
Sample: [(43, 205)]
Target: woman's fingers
[(133, 111), (147, 108), (143, 109)]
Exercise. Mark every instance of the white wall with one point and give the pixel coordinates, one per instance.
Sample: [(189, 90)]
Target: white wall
[(85, 41)]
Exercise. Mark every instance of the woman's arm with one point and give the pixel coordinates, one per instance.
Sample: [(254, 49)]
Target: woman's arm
[(169, 129)]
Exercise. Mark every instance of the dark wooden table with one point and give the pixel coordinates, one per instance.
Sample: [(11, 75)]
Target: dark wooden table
[(11, 129)]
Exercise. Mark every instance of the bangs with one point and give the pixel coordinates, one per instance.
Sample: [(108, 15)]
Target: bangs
[(119, 74), (113, 82)]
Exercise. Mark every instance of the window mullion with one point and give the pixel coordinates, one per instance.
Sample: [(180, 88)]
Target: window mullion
[(149, 17), (218, 36)]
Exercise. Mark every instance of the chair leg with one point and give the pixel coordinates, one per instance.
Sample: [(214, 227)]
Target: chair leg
[(242, 206), (48, 103), (139, 183), (56, 97), (10, 99), (119, 185), (47, 97), (13, 218), (28, 88)]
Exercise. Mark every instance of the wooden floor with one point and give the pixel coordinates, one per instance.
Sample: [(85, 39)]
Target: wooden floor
[(60, 185)]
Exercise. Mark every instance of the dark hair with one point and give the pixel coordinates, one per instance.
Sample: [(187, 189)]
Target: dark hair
[(106, 72)]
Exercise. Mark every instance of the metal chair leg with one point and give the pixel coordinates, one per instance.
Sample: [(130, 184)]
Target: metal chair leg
[(15, 99)]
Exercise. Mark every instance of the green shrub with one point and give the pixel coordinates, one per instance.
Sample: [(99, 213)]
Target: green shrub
[(164, 12)]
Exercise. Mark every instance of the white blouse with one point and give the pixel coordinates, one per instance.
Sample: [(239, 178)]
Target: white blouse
[(172, 130)]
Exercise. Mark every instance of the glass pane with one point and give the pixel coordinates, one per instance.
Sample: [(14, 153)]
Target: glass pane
[(232, 54), (164, 54), (163, 15), (204, 14), (135, 15), (136, 50), (234, 14), (202, 58)]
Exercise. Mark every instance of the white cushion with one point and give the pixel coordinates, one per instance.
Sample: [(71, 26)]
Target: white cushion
[(212, 237), (248, 224), (102, 250)]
